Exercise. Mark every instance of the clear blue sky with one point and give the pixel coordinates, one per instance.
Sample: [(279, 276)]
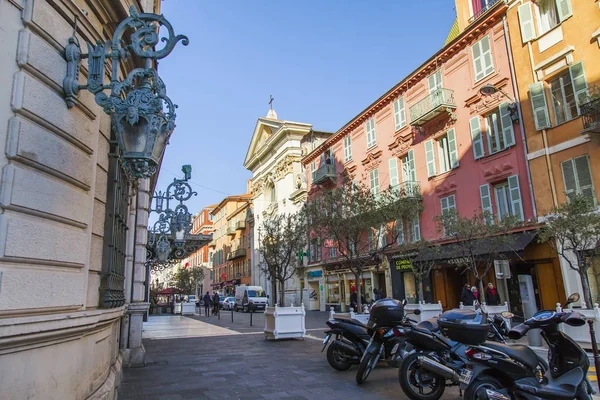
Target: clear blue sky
[(324, 61)]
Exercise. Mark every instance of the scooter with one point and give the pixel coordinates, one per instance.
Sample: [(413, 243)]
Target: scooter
[(349, 344), (503, 372)]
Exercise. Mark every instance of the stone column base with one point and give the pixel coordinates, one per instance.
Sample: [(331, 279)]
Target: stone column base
[(134, 354)]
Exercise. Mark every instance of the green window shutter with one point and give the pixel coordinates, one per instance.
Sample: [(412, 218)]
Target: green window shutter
[(348, 148), (526, 22), (486, 50), (515, 196), (451, 202), (568, 172), (584, 176), (477, 61), (507, 125), (412, 169), (393, 164), (580, 86), (416, 229), (399, 113), (486, 199), (371, 135), (400, 230), (452, 148), (540, 107), (476, 139), (444, 203), (430, 158), (564, 9)]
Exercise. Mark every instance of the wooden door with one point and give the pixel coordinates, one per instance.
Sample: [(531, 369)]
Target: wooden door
[(549, 285), (439, 288)]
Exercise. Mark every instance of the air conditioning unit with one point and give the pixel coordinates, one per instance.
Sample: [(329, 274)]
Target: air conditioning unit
[(502, 268)]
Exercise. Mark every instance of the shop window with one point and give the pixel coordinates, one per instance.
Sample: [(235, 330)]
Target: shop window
[(333, 293)]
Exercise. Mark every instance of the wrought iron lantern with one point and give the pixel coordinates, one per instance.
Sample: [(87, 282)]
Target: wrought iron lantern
[(142, 116), (170, 238)]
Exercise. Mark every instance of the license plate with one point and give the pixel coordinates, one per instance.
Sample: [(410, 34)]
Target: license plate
[(395, 348), (465, 376)]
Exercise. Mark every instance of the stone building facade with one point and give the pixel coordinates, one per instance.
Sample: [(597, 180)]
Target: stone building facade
[(66, 332)]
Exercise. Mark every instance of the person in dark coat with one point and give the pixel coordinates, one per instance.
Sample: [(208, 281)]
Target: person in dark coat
[(492, 298), (216, 300), (206, 300), (467, 298)]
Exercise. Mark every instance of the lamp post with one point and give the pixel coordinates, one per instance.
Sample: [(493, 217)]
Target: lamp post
[(489, 90), (142, 115)]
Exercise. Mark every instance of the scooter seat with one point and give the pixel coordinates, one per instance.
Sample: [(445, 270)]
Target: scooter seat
[(430, 324), (563, 387), (519, 352)]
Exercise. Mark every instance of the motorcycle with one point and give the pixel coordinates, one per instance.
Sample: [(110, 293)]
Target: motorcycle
[(424, 373), (351, 339), (502, 372)]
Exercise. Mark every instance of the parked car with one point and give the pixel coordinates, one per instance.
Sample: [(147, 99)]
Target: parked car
[(228, 303), (221, 300)]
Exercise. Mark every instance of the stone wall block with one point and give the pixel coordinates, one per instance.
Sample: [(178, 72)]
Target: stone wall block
[(34, 145), (93, 294), (48, 21), (103, 150), (41, 241), (101, 185), (46, 107), (97, 248), (40, 193), (98, 220)]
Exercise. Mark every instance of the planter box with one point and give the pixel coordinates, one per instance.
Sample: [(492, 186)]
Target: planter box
[(177, 309), (285, 322), (362, 318), (188, 308), (427, 310)]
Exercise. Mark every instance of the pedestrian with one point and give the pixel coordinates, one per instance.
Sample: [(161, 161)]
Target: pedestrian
[(466, 298), (215, 300), (353, 299), (492, 298), (376, 295), (475, 294), (206, 300)]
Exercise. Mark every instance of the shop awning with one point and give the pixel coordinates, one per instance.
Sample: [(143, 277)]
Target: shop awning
[(232, 282), (169, 291), (453, 253)]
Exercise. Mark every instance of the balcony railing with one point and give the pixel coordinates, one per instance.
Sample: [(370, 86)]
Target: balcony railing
[(231, 230), (240, 225), (479, 13), (323, 173), (240, 252), (590, 113), (435, 103), (408, 189)]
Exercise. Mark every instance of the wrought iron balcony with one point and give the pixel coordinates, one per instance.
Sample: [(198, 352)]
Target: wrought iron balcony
[(435, 103), (240, 225), (590, 113), (408, 189), (479, 13), (239, 252), (324, 173), (231, 230)]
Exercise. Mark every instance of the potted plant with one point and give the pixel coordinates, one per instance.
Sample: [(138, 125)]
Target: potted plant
[(280, 237)]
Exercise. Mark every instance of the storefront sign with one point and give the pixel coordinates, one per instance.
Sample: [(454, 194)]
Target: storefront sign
[(403, 265), (331, 243), (459, 260), (315, 274)]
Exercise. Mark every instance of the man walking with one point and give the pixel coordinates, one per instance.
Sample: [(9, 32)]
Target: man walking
[(215, 300), (206, 300)]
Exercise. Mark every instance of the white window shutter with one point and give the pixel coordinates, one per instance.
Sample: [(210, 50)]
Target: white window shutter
[(400, 230), (402, 111), (348, 148), (451, 202), (430, 158), (580, 86), (564, 9), (584, 176), (432, 83), (526, 22), (393, 164), (486, 55), (486, 199), (477, 61), (540, 107), (411, 166), (477, 140), (444, 203), (397, 114), (452, 148), (515, 196), (416, 229), (506, 122)]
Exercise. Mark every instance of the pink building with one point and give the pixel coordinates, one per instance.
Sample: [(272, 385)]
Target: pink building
[(435, 132)]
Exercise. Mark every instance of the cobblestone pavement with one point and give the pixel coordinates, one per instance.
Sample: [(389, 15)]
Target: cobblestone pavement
[(233, 361)]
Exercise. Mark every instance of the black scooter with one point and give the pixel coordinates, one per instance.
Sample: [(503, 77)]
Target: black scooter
[(348, 347), (502, 372)]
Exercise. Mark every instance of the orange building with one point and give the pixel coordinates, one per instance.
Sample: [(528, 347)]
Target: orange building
[(202, 224), (555, 58)]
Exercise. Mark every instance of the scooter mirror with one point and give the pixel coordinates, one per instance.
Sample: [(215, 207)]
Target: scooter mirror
[(404, 302), (417, 312), (573, 298), (507, 314)]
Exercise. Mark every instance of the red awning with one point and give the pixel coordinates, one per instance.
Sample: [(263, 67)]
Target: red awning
[(169, 291)]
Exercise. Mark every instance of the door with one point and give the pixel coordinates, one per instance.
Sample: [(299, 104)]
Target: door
[(447, 288), (549, 286)]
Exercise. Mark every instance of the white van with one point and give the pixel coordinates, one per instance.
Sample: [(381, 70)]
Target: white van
[(250, 298)]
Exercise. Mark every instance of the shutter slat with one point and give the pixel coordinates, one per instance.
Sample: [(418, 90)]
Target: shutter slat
[(515, 196), (452, 148), (476, 139), (540, 107), (526, 22), (507, 125), (430, 158)]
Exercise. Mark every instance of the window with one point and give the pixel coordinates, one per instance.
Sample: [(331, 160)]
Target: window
[(371, 132), (430, 158), (414, 230), (508, 199), (448, 156), (577, 177), (371, 240), (210, 217), (348, 148), (563, 98), (435, 82), (400, 231), (311, 251), (332, 250), (318, 246), (393, 166), (494, 138), (482, 58), (313, 168), (399, 113), (448, 207), (374, 179), (409, 173), (499, 131), (549, 13)]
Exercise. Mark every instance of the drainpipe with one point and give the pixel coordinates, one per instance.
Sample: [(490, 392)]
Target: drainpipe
[(522, 127)]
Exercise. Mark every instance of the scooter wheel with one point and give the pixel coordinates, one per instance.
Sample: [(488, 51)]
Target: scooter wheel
[(366, 366), (337, 360), (418, 383), (476, 390)]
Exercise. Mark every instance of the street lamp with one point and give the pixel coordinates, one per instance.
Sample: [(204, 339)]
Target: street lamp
[(488, 90), (142, 115)]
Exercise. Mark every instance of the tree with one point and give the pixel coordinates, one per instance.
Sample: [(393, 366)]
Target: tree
[(480, 240), (281, 237), (186, 279), (422, 257), (573, 232), (360, 223)]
